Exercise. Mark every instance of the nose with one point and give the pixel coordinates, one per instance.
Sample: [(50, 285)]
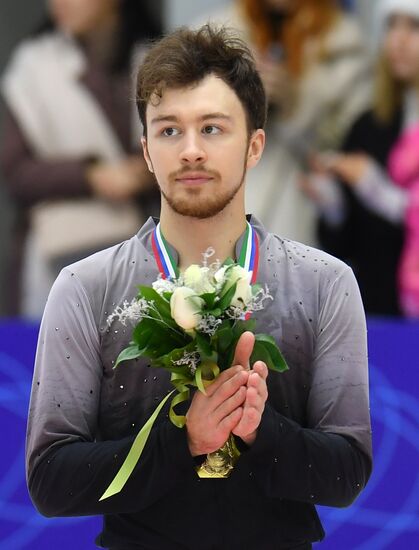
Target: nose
[(192, 150)]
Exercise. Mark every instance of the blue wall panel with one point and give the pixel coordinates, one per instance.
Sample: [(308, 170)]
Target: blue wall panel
[(386, 515)]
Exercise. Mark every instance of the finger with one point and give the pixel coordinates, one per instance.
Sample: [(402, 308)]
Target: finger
[(256, 395), (257, 383), (252, 413), (228, 389), (244, 349), (229, 423), (223, 377), (261, 368), (226, 407), (249, 422)]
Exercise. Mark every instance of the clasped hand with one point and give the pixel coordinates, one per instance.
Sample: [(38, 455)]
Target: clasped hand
[(233, 403)]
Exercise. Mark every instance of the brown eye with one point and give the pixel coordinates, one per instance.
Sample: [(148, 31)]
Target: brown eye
[(211, 129), (170, 132)]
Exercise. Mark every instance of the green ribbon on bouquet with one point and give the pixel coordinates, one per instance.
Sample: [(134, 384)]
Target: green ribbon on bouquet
[(134, 454), (180, 382)]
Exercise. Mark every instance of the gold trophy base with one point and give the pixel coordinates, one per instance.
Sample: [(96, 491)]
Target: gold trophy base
[(221, 462)]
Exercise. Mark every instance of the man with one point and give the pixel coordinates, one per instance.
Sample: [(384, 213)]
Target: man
[(304, 435)]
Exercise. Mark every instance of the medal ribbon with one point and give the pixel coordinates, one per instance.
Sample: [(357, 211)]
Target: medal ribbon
[(248, 257), (165, 262)]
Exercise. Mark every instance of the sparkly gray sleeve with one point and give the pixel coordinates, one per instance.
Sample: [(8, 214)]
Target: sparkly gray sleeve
[(339, 398), (329, 460), (67, 468), (67, 377)]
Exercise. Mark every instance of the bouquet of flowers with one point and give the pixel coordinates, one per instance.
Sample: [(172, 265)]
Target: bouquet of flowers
[(190, 325)]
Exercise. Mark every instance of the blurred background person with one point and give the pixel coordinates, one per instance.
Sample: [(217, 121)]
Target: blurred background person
[(314, 66), (368, 193), (70, 153)]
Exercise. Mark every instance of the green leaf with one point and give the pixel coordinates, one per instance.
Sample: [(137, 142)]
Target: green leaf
[(142, 332), (175, 354), (224, 336), (127, 354), (228, 261), (260, 353), (155, 334), (215, 312), (225, 301), (238, 328), (203, 345), (209, 299), (227, 360), (159, 344), (161, 304), (277, 361), (242, 326)]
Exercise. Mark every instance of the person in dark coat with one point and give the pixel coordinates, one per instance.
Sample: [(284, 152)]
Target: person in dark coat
[(362, 208)]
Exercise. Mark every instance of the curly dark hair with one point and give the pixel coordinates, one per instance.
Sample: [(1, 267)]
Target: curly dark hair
[(185, 57)]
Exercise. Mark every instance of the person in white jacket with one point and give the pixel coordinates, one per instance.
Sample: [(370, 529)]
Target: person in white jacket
[(69, 150)]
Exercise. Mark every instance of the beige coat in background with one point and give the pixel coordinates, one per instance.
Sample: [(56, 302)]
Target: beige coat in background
[(330, 95)]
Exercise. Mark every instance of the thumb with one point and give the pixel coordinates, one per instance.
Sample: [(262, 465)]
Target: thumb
[(244, 350)]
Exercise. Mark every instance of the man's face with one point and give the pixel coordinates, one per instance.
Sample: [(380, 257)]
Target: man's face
[(198, 147)]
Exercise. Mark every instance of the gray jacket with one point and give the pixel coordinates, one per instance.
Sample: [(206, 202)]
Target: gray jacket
[(314, 440)]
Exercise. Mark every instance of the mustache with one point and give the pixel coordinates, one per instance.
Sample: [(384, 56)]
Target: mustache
[(189, 169)]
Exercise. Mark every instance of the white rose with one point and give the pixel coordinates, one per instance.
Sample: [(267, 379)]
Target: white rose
[(185, 307), (243, 293), (242, 278), (197, 278), (219, 275)]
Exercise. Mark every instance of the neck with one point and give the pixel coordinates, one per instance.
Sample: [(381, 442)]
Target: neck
[(191, 236)]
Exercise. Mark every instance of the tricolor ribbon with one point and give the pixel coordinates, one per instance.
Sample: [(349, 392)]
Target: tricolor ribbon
[(165, 262), (249, 253), (248, 256)]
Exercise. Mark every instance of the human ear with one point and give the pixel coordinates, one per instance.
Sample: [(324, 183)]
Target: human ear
[(255, 149), (146, 154)]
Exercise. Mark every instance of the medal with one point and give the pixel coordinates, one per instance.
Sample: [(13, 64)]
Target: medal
[(221, 462)]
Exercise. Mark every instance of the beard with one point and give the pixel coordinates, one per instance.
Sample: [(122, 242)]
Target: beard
[(195, 202)]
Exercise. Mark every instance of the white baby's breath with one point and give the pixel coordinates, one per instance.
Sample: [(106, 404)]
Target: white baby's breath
[(130, 311), (191, 359), (208, 324), (257, 301), (164, 285), (235, 313)]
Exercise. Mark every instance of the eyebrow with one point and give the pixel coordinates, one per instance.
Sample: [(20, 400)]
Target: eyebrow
[(173, 118)]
